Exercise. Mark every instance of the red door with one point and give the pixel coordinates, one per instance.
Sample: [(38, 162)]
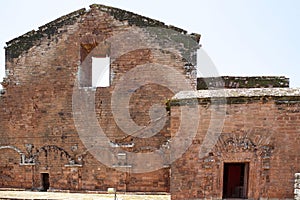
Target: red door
[(235, 180)]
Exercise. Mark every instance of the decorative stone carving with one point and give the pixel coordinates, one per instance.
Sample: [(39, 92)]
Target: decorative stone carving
[(266, 152), (124, 145), (209, 161), (52, 148), (29, 148), (22, 155), (122, 160), (74, 148), (239, 144)]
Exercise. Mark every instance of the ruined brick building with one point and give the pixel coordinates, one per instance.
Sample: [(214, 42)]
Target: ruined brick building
[(245, 142)]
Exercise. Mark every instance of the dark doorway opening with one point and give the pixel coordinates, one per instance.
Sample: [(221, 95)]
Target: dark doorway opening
[(45, 181), (235, 180)]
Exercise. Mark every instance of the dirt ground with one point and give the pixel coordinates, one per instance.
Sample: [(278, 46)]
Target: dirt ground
[(71, 196)]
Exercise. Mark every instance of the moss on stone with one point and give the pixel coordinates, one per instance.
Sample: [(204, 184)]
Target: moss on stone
[(139, 20), (242, 82), (23, 43), (236, 100)]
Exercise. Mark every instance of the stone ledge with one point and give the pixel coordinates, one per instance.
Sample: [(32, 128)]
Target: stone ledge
[(204, 83), (224, 93), (27, 164), (73, 165), (122, 166), (12, 189)]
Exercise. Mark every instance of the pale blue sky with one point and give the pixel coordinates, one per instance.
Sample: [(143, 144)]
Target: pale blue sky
[(242, 37)]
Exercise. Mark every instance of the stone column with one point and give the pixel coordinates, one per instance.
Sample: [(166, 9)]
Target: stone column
[(297, 186)]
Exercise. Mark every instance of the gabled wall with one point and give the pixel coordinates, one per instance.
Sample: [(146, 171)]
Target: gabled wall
[(43, 68)]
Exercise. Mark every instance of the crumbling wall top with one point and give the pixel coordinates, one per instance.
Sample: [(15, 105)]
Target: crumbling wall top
[(242, 82), (17, 46), (20, 44), (138, 20)]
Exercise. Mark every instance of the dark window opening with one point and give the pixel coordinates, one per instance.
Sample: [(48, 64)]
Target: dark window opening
[(45, 181), (235, 180)]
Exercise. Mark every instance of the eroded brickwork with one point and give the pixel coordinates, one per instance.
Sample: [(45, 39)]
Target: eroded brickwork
[(44, 66), (242, 82), (258, 141), (260, 133)]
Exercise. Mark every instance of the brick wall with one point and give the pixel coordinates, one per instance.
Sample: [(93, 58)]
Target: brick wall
[(262, 133), (43, 67)]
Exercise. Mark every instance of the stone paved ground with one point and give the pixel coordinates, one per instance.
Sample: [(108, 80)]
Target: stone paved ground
[(71, 196)]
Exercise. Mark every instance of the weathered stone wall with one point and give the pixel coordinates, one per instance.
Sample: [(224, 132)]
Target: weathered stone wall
[(242, 82), (12, 173), (297, 186), (43, 67), (261, 132), (38, 134)]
